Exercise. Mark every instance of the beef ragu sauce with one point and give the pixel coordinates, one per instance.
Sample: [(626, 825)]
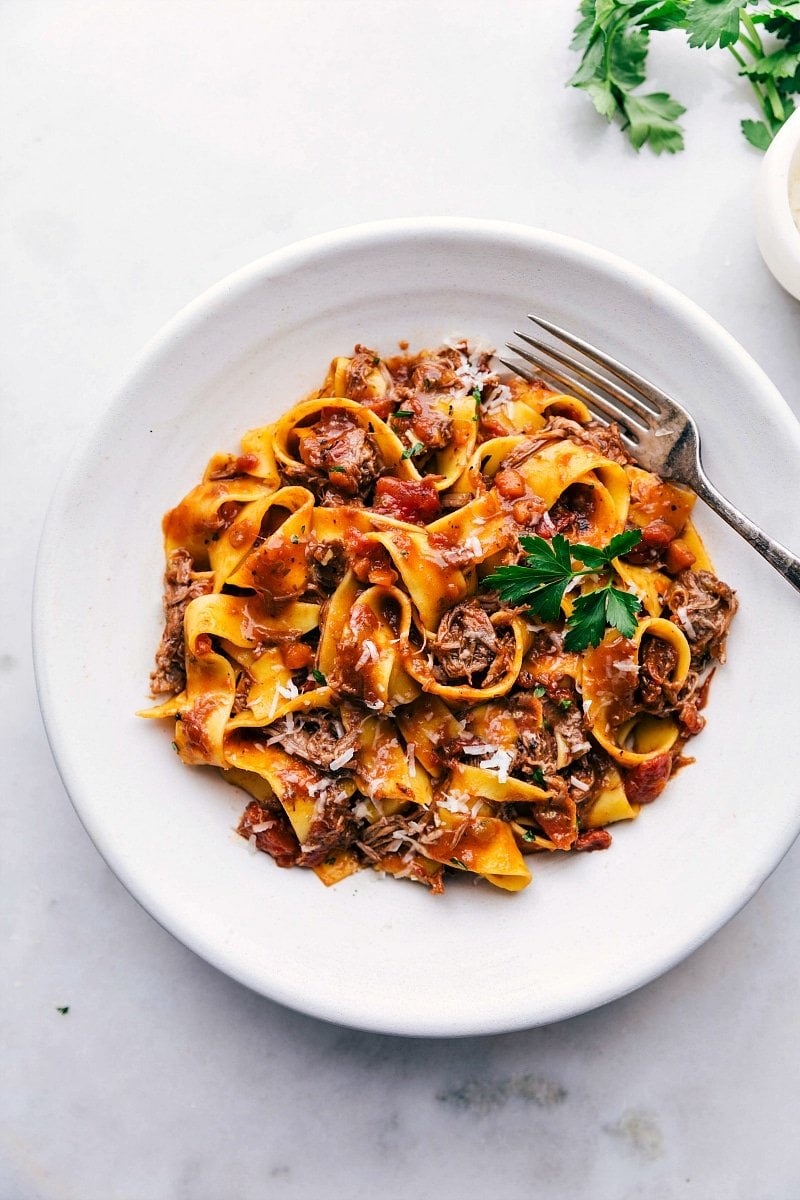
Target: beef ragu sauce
[(330, 643)]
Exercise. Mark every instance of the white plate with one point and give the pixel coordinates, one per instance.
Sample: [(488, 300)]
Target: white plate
[(375, 953)]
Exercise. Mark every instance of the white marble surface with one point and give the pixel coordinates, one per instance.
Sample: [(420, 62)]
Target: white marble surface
[(149, 148)]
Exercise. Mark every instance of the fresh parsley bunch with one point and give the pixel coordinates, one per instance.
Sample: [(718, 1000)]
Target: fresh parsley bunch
[(543, 578), (613, 38)]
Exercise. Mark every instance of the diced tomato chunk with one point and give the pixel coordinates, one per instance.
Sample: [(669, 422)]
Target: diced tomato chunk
[(412, 500), (648, 780), (678, 557), (658, 533)]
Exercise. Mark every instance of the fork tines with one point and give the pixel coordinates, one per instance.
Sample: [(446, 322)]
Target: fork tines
[(636, 412)]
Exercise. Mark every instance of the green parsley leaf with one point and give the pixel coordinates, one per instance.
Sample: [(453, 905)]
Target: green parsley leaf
[(613, 39), (781, 64), (543, 578), (320, 678), (414, 450), (476, 395), (528, 835), (565, 704), (596, 559), (594, 611), (537, 775), (712, 22), (653, 120), (757, 134), (539, 691), (541, 581), (63, 1010), (402, 414), (456, 862), (333, 470)]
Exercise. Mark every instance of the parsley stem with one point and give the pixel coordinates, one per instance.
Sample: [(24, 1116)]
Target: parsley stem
[(776, 106), (754, 40)]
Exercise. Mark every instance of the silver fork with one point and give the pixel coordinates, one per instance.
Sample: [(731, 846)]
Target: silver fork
[(657, 431)]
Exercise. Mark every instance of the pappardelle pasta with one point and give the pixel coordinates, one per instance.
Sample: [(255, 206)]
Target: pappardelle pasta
[(345, 642)]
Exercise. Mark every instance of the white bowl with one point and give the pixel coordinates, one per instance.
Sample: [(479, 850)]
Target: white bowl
[(378, 954), (777, 232)]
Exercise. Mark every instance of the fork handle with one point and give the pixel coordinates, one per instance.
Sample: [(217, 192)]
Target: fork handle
[(778, 556)]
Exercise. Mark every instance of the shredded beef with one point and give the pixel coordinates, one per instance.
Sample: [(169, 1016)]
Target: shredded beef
[(536, 754), (658, 660), (606, 439), (704, 607), (342, 453), (569, 730), (571, 514), (333, 828), (431, 426), (317, 737), (274, 835), (466, 644), (369, 381), (181, 585), (437, 372), (396, 834), (522, 452), (327, 563)]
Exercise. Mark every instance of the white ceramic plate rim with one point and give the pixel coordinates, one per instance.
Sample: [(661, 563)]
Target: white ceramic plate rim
[(216, 300)]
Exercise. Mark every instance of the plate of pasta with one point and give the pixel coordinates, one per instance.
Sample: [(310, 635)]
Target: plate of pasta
[(416, 751)]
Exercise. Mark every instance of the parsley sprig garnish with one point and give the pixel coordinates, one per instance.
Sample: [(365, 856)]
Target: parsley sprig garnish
[(613, 37), (542, 579)]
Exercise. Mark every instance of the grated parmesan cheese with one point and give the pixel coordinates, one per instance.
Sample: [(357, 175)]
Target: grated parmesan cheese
[(683, 617), (454, 804), (411, 759), (290, 692), (500, 761), (337, 763)]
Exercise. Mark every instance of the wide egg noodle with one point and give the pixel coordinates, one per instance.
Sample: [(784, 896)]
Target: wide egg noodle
[(291, 428), (645, 736), (424, 748)]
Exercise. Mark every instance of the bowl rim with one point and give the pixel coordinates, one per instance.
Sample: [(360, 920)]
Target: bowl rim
[(290, 258), (774, 220)]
